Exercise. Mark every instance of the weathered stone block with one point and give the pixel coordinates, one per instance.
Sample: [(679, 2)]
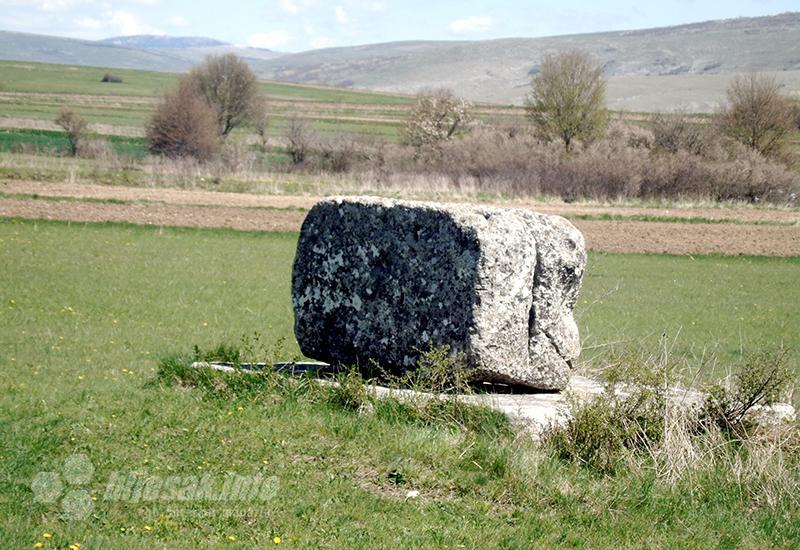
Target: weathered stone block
[(382, 280)]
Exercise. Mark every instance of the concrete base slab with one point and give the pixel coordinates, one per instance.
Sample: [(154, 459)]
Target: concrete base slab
[(531, 412)]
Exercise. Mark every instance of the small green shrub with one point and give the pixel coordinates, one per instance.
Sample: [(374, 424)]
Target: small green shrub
[(350, 393), (397, 477), (626, 420), (606, 430), (763, 379), (632, 424), (255, 349), (438, 370), (223, 353)]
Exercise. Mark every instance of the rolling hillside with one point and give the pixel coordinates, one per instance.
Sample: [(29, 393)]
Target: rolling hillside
[(644, 67), (168, 54), (685, 66)]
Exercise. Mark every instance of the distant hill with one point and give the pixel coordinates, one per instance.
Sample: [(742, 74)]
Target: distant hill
[(501, 70), (155, 41), (154, 53), (685, 66), (16, 46)]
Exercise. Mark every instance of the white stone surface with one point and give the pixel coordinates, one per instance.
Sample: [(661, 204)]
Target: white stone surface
[(380, 280), (535, 412)]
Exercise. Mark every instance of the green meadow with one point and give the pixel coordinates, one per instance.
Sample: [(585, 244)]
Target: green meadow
[(56, 143), (39, 91), (87, 311), (44, 78)]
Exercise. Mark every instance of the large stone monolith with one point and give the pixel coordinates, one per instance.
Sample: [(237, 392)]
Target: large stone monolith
[(384, 280)]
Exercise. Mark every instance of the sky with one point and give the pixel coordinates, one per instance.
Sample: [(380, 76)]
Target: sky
[(297, 25)]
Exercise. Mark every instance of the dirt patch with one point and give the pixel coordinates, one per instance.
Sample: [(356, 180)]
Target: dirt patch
[(739, 214), (371, 480), (607, 236), (246, 219), (167, 196), (213, 198), (678, 238)]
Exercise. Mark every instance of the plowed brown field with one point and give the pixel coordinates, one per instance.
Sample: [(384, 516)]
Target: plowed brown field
[(742, 231)]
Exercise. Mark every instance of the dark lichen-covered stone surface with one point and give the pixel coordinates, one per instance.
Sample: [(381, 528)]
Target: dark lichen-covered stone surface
[(382, 280)]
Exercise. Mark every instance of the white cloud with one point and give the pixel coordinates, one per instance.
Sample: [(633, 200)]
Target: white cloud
[(474, 24), (178, 21), (147, 2), (129, 23), (341, 15), (293, 7), (46, 5), (117, 23), (376, 6), (290, 6), (268, 40), (90, 23)]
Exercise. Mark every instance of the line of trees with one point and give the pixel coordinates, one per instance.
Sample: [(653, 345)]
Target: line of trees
[(566, 103)]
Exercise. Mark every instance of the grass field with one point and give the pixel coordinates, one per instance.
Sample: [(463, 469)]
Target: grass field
[(88, 310), (701, 306), (70, 79), (39, 91), (50, 142)]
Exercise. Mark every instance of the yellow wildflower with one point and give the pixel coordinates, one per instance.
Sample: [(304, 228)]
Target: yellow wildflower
[(231, 538), (276, 540), (48, 536), (38, 544)]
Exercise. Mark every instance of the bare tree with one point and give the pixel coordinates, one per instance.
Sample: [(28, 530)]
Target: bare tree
[(673, 132), (437, 116), (259, 121), (183, 125), (796, 113), (300, 138), (756, 113), (230, 87), (75, 126), (567, 100)]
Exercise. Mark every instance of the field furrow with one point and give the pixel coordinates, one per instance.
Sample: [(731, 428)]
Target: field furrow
[(170, 207)]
